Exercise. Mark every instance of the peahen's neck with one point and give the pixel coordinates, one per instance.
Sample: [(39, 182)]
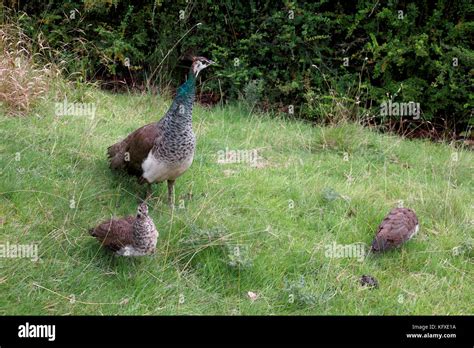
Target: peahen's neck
[(188, 88), (181, 110)]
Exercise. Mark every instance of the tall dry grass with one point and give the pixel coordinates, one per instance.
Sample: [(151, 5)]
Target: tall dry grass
[(24, 79)]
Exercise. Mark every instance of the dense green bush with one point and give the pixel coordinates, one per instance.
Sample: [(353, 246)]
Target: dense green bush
[(307, 57)]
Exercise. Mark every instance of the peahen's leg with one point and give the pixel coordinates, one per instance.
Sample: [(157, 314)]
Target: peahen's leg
[(171, 193), (149, 192)]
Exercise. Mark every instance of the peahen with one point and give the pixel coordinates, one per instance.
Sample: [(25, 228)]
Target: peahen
[(400, 225), (165, 149), (129, 236)]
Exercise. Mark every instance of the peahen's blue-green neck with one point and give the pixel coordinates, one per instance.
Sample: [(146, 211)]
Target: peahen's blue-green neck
[(189, 87), (179, 115)]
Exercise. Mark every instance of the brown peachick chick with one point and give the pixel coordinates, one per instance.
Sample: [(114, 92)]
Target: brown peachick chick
[(400, 225), (129, 236)]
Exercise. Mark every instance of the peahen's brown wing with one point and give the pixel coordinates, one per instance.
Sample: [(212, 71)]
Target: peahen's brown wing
[(115, 234), (130, 153), (397, 227)]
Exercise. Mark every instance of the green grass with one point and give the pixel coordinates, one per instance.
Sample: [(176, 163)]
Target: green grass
[(280, 214)]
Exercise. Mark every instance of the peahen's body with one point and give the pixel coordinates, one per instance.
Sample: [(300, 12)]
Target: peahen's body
[(165, 149), (400, 225), (129, 236)]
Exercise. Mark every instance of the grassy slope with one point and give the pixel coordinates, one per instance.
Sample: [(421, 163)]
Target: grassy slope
[(232, 205)]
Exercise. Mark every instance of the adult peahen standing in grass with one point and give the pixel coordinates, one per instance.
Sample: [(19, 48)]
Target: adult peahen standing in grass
[(165, 149)]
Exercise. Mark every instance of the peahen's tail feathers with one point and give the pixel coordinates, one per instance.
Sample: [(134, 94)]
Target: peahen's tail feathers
[(116, 155)]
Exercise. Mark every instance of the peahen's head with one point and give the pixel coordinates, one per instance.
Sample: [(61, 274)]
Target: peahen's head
[(142, 210), (200, 63)]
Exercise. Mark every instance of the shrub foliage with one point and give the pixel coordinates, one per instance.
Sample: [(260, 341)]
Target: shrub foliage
[(304, 58)]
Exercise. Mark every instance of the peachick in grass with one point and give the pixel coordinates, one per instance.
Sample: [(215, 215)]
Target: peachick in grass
[(165, 149), (129, 236)]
